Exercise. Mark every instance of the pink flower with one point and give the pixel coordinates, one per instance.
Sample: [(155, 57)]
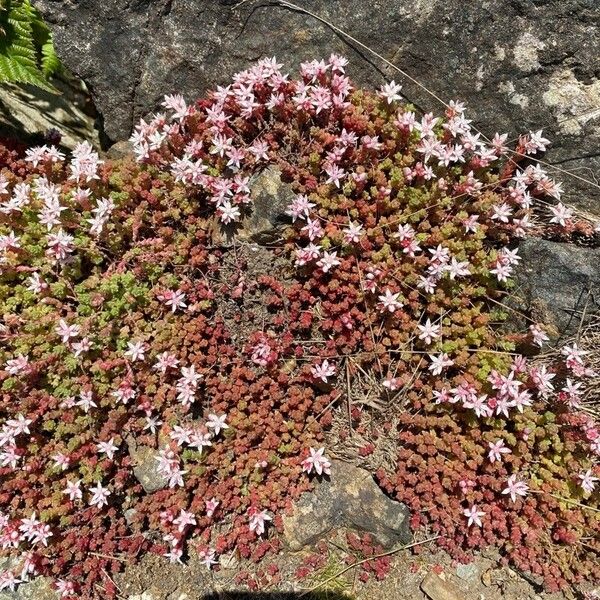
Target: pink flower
[(73, 490), (86, 401), (353, 233), (65, 588), (257, 520), (515, 488), (66, 331), (300, 208), (391, 383), (323, 371), (538, 334), (390, 302), (217, 423), (9, 581), (335, 174), (165, 361), (61, 460), (83, 345), (184, 520), (317, 461), (328, 261), (535, 141), (473, 515), (174, 299), (497, 449), (207, 557), (211, 506), (439, 363), (17, 365)]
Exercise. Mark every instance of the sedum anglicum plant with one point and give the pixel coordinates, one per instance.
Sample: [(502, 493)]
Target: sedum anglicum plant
[(127, 326)]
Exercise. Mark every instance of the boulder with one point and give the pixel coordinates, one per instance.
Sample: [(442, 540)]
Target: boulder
[(520, 65), (557, 285), (32, 114)]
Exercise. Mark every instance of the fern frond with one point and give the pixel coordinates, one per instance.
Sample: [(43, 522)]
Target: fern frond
[(50, 62), (23, 58)]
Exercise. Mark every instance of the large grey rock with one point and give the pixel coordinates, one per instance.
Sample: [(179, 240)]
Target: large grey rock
[(349, 498), (557, 284), (29, 113), (519, 64)]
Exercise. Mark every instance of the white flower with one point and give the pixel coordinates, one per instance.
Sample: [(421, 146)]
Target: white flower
[(107, 448), (257, 520), (217, 423), (588, 481), (429, 331), (473, 515), (317, 461), (439, 363), (135, 350), (561, 214), (391, 92), (99, 495)]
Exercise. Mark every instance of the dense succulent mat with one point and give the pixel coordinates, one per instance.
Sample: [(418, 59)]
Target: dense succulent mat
[(139, 325)]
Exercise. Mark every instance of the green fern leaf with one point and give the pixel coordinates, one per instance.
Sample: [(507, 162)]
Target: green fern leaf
[(19, 55), (50, 61)]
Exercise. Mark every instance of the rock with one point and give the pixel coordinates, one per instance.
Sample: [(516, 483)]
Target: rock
[(271, 199), (556, 283), (28, 113), (39, 588), (145, 468), (349, 498), (437, 588), (120, 149), (469, 572), (519, 65)]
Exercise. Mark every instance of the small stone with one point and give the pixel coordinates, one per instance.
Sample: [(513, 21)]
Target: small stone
[(349, 498), (486, 577), (438, 589), (468, 572), (146, 468), (271, 198), (121, 149), (143, 596), (129, 514), (229, 561)]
